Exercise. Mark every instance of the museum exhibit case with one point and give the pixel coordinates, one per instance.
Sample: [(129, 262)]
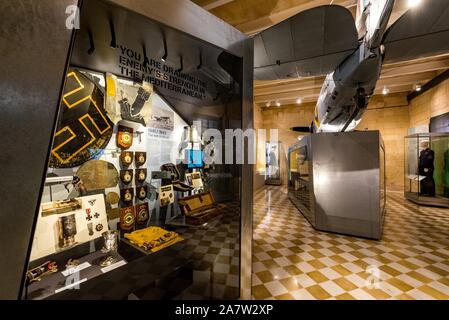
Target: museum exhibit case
[(426, 176), (323, 178), (136, 201), (273, 163)]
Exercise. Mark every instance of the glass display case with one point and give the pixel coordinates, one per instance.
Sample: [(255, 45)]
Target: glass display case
[(133, 204), (327, 169), (273, 163), (427, 169)]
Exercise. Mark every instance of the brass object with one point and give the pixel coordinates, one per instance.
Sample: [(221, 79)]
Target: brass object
[(40, 272), (112, 198), (126, 158), (59, 207), (98, 174)]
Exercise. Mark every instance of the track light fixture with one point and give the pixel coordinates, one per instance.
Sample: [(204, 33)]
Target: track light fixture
[(200, 65), (164, 57), (385, 91), (278, 104), (299, 101), (113, 37), (91, 42), (181, 64), (418, 87)]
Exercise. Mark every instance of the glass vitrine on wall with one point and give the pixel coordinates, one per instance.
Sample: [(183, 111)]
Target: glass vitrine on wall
[(137, 202), (427, 169)]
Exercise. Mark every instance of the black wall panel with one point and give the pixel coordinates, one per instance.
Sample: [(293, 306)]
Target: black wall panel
[(34, 49)]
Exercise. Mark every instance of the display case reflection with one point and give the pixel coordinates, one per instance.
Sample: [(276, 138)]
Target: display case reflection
[(427, 169)]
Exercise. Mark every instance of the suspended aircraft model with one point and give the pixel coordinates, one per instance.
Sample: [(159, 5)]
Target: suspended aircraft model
[(325, 40)]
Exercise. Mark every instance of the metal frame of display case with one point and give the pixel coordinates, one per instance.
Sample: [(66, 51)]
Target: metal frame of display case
[(412, 185), (339, 166), (33, 86)]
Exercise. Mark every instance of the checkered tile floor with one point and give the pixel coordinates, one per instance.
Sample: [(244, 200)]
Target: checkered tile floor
[(216, 252), (291, 260)]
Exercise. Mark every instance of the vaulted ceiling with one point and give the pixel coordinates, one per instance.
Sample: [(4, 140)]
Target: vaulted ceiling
[(253, 16)]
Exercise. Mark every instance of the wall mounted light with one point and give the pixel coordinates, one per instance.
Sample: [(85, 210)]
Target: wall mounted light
[(200, 62), (91, 42), (164, 57), (113, 38), (181, 64), (413, 3)]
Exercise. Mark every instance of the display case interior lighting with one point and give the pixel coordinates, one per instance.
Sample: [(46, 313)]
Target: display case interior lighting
[(385, 91), (413, 3)]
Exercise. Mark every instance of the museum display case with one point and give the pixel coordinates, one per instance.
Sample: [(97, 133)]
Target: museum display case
[(426, 176), (273, 163), (137, 203), (323, 178)]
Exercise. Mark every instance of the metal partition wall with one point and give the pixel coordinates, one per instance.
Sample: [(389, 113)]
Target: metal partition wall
[(39, 118)]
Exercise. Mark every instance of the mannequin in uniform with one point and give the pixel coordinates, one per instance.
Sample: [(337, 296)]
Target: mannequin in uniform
[(426, 169)]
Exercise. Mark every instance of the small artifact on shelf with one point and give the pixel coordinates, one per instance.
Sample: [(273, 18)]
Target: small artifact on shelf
[(110, 246), (59, 207), (200, 208), (40, 272), (153, 239), (67, 231)]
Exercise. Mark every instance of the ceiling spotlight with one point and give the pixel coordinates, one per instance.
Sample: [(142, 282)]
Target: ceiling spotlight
[(299, 101), (414, 3), (418, 88), (385, 91), (268, 104), (278, 104)]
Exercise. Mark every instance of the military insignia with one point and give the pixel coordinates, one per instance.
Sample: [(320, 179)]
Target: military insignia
[(125, 137), (142, 213), (92, 202), (127, 218), (126, 159), (127, 195), (83, 128), (126, 176), (141, 193), (141, 175), (141, 158)]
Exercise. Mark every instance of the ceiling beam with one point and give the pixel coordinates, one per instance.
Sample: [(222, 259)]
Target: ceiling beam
[(216, 4)]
